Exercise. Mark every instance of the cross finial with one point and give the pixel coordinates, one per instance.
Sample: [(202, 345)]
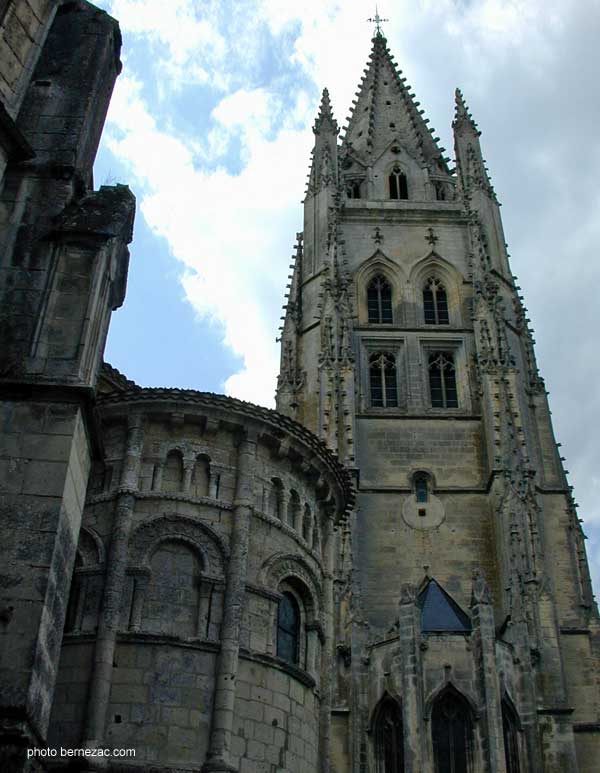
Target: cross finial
[(377, 21)]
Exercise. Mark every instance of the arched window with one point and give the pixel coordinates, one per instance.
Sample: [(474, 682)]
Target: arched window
[(379, 301), (382, 374), (398, 184), (421, 487), (452, 733), (172, 479), (389, 738), (294, 508), (172, 602), (435, 303), (442, 380), (510, 727), (276, 498), (200, 476), (440, 191), (307, 524), (288, 629)]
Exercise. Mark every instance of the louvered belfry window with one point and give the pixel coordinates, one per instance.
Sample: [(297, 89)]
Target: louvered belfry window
[(379, 301), (382, 373), (442, 380), (435, 303)]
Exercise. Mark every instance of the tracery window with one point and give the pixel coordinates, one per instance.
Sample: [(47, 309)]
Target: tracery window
[(379, 301), (288, 629), (510, 727), (452, 733), (398, 184), (435, 303), (442, 380), (389, 738), (382, 375)]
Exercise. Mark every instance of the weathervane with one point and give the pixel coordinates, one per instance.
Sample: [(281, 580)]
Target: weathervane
[(377, 20)]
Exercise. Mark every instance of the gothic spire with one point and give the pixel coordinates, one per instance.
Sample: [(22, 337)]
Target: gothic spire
[(323, 170), (472, 171), (463, 120), (325, 120), (385, 110)]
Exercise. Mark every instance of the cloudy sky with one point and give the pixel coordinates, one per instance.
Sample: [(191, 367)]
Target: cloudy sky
[(210, 126)]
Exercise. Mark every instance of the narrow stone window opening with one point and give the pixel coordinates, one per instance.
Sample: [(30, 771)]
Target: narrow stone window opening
[(435, 303), (384, 388), (353, 189), (510, 727), (442, 380), (379, 301), (440, 191), (288, 629), (398, 184), (422, 487), (389, 737)]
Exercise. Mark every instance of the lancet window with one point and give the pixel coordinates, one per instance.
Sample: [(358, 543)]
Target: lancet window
[(452, 732), (379, 301), (442, 380), (398, 184), (510, 727), (353, 189), (389, 738), (435, 303), (383, 384), (288, 629)]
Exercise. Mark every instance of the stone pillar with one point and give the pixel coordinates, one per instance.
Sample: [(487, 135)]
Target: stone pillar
[(218, 756), (116, 564), (188, 470), (140, 586), (410, 635), (328, 651), (484, 638)]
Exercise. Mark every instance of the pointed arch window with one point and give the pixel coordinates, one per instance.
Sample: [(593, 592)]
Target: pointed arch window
[(288, 629), (379, 301), (435, 303), (382, 374), (389, 738), (510, 728), (452, 733), (398, 184), (442, 380)]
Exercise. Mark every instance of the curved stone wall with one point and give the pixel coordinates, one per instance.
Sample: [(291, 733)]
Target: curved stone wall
[(203, 513)]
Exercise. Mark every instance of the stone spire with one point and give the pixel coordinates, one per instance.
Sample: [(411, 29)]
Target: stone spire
[(385, 111), (472, 171), (323, 170)]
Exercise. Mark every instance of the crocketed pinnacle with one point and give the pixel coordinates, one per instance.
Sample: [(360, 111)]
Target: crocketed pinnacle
[(462, 117), (385, 111), (325, 120)]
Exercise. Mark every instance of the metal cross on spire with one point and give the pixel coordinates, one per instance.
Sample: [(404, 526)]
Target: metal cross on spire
[(377, 20)]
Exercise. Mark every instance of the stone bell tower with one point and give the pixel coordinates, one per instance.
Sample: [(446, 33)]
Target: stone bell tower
[(467, 635)]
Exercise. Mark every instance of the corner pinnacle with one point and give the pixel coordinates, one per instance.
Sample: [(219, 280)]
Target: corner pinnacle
[(462, 115), (325, 114)]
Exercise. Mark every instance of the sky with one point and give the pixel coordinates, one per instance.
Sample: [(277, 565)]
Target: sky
[(210, 125)]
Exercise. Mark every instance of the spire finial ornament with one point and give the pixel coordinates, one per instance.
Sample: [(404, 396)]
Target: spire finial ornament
[(377, 21)]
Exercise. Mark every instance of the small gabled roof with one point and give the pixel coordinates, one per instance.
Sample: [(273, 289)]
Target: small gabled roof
[(439, 612)]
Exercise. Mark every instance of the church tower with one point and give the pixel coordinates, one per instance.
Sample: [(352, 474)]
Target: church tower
[(467, 636)]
